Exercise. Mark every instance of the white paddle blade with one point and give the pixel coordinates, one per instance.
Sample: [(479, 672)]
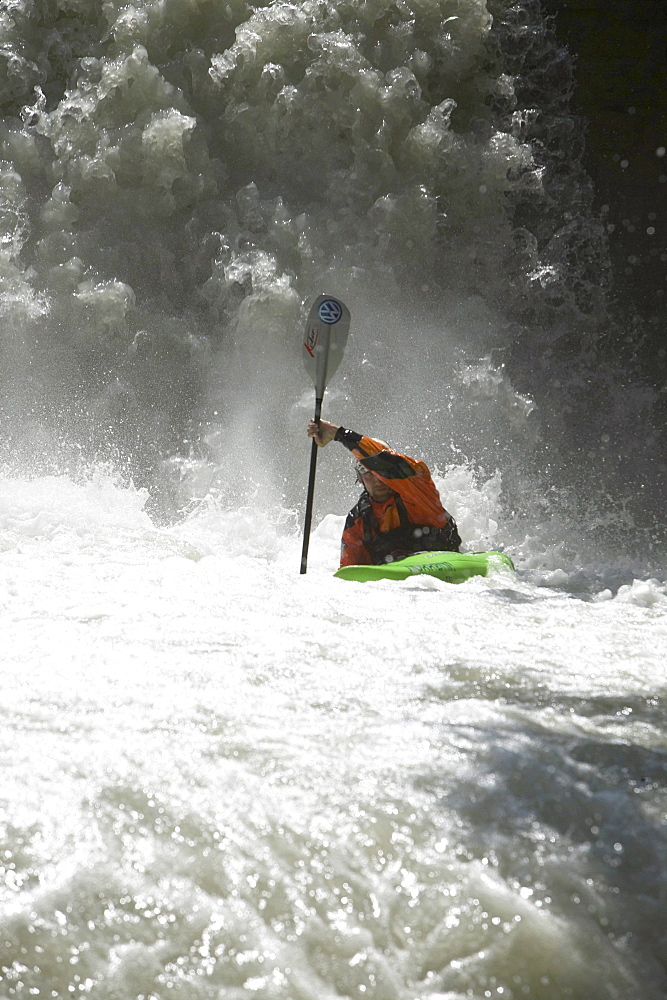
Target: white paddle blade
[(326, 336)]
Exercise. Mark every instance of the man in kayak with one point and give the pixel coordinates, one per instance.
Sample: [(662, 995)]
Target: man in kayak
[(398, 513)]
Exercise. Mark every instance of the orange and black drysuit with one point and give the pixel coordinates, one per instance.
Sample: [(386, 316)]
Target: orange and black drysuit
[(413, 520)]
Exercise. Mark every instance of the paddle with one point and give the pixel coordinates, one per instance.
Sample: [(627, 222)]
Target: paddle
[(326, 335)]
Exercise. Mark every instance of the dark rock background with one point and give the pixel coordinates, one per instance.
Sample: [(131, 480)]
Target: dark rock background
[(621, 69)]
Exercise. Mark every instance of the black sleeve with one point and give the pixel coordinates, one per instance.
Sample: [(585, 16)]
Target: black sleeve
[(349, 438)]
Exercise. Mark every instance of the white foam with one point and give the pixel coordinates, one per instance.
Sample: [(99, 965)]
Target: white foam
[(643, 593), (43, 506)]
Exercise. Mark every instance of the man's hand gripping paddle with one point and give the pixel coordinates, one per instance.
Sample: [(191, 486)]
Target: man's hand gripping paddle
[(326, 335)]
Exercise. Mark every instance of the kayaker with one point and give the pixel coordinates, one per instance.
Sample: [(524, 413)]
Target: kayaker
[(399, 512)]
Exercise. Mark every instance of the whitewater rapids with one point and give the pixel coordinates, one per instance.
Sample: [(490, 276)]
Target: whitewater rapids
[(222, 780), (226, 780)]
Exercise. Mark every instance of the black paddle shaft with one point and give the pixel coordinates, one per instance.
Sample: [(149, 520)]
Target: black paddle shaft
[(311, 491)]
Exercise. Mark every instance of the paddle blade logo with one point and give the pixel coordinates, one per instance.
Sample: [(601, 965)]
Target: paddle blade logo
[(330, 311), (310, 342)]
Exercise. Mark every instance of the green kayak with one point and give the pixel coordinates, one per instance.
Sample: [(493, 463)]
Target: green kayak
[(453, 567)]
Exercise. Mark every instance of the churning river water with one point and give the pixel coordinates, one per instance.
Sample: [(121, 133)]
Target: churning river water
[(224, 780)]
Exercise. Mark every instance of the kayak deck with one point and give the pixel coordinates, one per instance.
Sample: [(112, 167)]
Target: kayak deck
[(452, 567)]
